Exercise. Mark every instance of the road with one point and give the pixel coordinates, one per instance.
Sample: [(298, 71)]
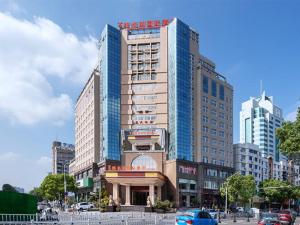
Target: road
[(252, 222)]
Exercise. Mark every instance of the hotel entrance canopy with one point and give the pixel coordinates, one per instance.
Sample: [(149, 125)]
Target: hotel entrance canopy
[(136, 178)]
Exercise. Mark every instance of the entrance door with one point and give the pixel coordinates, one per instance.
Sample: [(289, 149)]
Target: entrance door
[(140, 195)]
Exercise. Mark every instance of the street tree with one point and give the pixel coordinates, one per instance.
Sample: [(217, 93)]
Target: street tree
[(52, 187), (37, 193), (289, 137), (277, 190), (240, 188), (8, 187)]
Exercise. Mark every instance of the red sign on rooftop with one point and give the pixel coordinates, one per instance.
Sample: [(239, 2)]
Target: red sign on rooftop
[(149, 24)]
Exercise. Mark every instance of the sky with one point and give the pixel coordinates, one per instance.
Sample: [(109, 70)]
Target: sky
[(48, 50)]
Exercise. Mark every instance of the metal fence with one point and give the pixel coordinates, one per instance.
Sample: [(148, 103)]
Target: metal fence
[(123, 218)]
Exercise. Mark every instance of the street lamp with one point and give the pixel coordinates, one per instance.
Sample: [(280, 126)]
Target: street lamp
[(65, 184), (226, 198)]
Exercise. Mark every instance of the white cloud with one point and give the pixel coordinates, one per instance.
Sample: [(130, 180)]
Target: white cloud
[(8, 156), (31, 55), (44, 161), (23, 171), (291, 116)]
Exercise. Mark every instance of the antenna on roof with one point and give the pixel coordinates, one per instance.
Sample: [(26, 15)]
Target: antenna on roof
[(261, 87)]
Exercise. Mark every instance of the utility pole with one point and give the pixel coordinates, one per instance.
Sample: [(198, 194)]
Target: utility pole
[(226, 199), (65, 186)]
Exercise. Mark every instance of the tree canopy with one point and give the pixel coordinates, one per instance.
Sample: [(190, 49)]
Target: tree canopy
[(240, 188), (278, 191), (8, 187), (52, 187), (37, 192), (289, 137)]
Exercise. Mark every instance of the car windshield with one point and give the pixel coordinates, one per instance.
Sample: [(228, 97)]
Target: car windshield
[(269, 216), (188, 213), (285, 212), (212, 210)]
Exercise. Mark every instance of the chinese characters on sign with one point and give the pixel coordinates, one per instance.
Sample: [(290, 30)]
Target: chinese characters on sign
[(187, 170), (150, 24), (127, 168)]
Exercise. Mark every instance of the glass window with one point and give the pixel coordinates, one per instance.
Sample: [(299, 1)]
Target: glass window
[(221, 92), (213, 102), (205, 84), (248, 133), (192, 186), (145, 162), (213, 88)]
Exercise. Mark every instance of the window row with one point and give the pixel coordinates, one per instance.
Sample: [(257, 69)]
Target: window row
[(143, 66), (144, 97), (213, 88), (143, 87), (135, 47)]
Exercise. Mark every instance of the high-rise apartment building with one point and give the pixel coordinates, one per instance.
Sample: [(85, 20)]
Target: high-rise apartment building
[(62, 154), (248, 160), (154, 91), (87, 135), (259, 119)]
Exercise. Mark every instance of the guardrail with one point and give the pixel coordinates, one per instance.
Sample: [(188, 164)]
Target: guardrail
[(18, 217), (122, 218)]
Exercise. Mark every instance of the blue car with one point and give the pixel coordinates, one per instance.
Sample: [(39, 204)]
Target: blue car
[(196, 217)]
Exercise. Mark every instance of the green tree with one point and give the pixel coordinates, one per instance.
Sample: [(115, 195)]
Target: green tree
[(37, 192), (277, 190), (104, 199), (240, 188), (289, 137), (8, 187), (52, 187)]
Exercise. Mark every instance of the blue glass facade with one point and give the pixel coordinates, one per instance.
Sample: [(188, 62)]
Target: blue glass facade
[(179, 91), (110, 69)]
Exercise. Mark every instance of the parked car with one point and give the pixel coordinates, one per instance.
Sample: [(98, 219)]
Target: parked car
[(84, 206), (286, 217), (49, 215), (240, 209), (215, 213), (196, 217), (42, 205), (269, 219), (253, 212)]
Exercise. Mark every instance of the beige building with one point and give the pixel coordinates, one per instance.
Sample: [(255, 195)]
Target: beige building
[(153, 141), (87, 138), (215, 105)]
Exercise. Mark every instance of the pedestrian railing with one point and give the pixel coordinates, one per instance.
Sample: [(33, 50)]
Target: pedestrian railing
[(122, 218), (18, 217)]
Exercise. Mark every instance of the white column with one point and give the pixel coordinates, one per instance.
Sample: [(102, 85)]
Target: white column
[(115, 191), (127, 195), (151, 193), (159, 192), (188, 201)]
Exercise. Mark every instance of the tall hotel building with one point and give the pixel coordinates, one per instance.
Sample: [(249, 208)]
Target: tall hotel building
[(259, 119), (165, 117)]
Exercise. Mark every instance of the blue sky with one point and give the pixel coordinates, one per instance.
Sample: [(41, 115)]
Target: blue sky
[(48, 50)]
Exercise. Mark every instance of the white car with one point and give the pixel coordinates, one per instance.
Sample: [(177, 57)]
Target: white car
[(84, 206)]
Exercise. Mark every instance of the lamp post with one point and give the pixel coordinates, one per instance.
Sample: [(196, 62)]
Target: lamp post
[(65, 185), (226, 199)]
